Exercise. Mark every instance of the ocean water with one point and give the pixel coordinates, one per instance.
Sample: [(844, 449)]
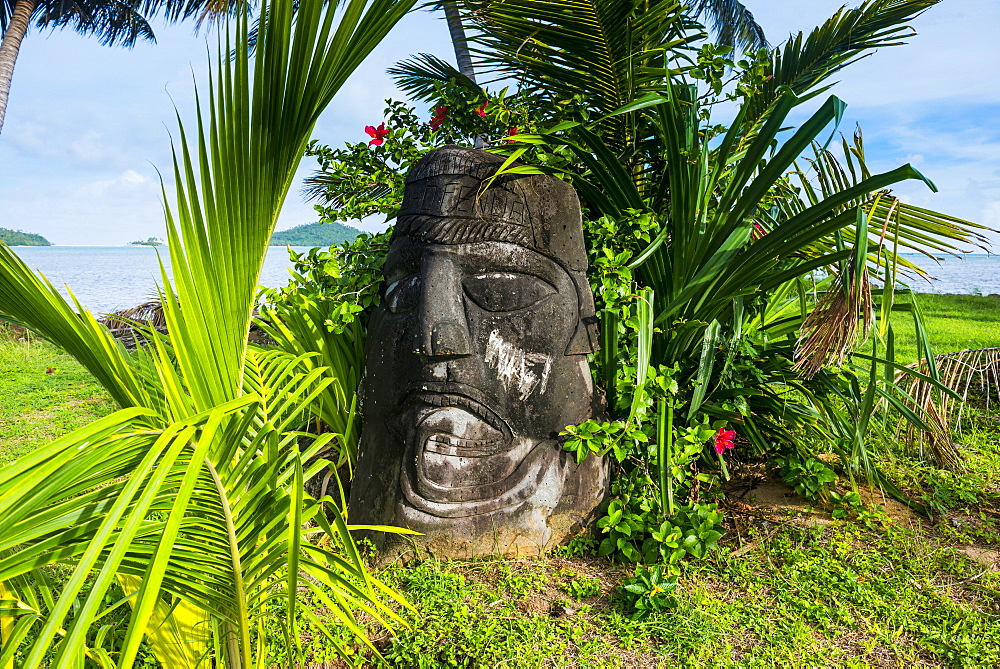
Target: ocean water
[(105, 278), (969, 274)]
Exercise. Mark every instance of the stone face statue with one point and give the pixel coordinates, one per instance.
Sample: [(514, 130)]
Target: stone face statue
[(476, 360)]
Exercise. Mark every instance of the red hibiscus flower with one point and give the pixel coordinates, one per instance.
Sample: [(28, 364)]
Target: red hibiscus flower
[(482, 109), (724, 439), (377, 134), (440, 114), (511, 132)]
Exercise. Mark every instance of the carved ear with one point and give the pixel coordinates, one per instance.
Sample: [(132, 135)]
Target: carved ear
[(585, 337)]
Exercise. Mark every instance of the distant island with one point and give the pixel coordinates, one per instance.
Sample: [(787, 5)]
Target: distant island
[(315, 234), (152, 241), (21, 238)]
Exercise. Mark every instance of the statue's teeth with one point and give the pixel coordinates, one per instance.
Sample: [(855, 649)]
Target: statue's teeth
[(447, 444)]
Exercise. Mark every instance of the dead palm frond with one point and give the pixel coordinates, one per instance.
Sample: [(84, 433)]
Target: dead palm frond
[(132, 326), (842, 317), (886, 227), (969, 370), (149, 313)]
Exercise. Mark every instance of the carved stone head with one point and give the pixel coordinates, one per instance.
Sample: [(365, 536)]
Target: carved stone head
[(476, 360)]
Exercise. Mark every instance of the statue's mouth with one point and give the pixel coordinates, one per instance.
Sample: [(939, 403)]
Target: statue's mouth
[(453, 424), (456, 432), (461, 457)]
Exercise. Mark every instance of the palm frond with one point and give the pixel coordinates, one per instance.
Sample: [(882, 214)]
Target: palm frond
[(30, 300), (806, 63), (830, 332), (732, 23), (420, 75), (299, 326), (223, 224), (119, 22), (196, 489), (324, 186), (894, 225), (964, 372), (607, 52)]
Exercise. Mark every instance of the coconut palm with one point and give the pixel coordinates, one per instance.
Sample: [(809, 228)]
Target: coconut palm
[(190, 497), (732, 23), (113, 22), (456, 30), (739, 234)]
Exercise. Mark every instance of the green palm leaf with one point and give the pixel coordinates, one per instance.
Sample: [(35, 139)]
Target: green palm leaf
[(196, 487), (732, 23), (607, 52), (419, 75), (806, 63)]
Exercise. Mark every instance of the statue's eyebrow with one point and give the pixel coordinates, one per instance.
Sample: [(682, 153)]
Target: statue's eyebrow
[(402, 261), (543, 267)]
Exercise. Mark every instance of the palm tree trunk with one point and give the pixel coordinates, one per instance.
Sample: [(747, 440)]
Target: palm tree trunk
[(9, 47), (461, 45)]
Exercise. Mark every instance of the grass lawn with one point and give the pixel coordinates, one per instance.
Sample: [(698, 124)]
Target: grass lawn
[(875, 593), (788, 586), (954, 322), (43, 394)]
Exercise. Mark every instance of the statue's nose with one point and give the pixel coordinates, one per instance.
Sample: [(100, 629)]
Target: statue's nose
[(444, 326)]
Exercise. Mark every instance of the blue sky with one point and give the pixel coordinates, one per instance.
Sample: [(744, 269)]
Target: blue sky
[(87, 124)]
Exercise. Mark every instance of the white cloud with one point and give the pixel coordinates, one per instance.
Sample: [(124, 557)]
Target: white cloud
[(991, 214), (85, 123), (950, 58), (127, 181)]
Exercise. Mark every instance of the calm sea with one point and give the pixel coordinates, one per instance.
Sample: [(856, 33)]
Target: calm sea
[(969, 274), (105, 278)]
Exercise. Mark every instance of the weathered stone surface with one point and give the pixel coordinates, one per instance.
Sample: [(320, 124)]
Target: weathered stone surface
[(476, 360)]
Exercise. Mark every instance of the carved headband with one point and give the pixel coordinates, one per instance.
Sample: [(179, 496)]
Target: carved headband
[(445, 203)]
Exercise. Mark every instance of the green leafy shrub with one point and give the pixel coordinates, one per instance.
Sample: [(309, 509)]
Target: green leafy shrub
[(699, 525), (578, 546), (810, 477), (845, 505), (581, 587), (649, 591)]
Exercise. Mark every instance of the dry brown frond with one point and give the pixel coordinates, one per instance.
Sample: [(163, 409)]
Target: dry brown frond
[(124, 323), (961, 371), (832, 330), (149, 313)]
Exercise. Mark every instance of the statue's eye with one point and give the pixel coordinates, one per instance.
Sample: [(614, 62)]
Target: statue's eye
[(404, 294), (506, 291)]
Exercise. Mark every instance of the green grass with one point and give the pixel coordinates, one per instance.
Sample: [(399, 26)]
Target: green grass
[(778, 592), (953, 322), (851, 594), (37, 406)]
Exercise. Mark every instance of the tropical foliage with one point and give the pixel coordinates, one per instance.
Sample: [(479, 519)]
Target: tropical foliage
[(22, 238), (114, 22), (728, 320), (744, 270), (190, 499)]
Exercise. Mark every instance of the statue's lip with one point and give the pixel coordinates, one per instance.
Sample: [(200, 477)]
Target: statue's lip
[(429, 396)]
